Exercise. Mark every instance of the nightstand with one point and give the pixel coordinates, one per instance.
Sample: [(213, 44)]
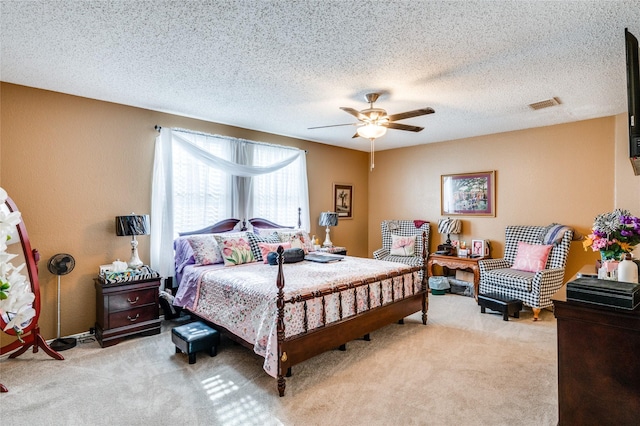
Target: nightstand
[(126, 309)]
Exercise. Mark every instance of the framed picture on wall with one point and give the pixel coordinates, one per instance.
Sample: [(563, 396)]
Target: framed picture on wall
[(343, 200), (471, 194)]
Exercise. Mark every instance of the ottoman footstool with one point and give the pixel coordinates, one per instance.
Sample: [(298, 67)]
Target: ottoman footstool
[(194, 337), (500, 303)]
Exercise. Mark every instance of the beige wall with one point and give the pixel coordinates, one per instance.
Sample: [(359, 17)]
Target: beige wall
[(566, 173), (72, 164)]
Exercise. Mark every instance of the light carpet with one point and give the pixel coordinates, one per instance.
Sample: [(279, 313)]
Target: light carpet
[(462, 368)]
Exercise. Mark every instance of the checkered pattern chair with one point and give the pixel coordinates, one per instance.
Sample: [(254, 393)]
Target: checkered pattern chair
[(532, 288), (405, 228)]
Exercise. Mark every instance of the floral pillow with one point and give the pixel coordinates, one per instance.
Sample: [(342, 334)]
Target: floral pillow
[(235, 248), (403, 246), (531, 257), (205, 249), (298, 239), (266, 248)]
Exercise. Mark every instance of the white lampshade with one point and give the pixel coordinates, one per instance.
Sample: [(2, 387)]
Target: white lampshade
[(371, 131)]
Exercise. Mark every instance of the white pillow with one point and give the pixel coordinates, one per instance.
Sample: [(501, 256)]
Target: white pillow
[(403, 246), (298, 239)]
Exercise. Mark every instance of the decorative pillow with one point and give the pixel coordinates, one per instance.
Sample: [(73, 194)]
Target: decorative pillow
[(205, 249), (531, 257), (403, 246), (254, 240), (553, 234), (297, 238), (235, 248), (266, 248)]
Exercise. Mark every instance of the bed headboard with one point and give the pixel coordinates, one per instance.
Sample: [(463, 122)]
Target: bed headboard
[(260, 223), (227, 225)]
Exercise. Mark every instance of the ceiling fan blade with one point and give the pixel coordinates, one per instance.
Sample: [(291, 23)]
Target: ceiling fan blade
[(333, 125), (409, 114), (399, 126), (355, 113)]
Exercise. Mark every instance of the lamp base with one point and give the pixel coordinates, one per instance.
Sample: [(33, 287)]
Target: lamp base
[(134, 261), (327, 241)]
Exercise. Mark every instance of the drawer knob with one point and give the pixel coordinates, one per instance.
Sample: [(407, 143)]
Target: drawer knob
[(133, 302), (133, 319)]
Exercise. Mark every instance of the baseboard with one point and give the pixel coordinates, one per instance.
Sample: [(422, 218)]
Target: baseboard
[(77, 336)]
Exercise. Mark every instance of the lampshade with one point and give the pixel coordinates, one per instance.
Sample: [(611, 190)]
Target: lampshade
[(371, 131), (449, 226), (328, 219), (132, 225)]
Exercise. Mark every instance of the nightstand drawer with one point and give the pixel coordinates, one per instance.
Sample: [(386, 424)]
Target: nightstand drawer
[(126, 309), (133, 316), (131, 299)]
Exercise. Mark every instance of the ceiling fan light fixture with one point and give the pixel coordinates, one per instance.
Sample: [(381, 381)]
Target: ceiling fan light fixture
[(371, 131)]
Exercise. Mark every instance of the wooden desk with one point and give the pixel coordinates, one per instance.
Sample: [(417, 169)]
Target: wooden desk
[(598, 367), (455, 262)]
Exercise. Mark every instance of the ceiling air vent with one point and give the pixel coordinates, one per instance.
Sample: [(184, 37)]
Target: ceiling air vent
[(545, 104)]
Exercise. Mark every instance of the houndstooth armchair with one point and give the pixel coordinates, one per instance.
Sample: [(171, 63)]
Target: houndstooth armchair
[(405, 228), (532, 288)]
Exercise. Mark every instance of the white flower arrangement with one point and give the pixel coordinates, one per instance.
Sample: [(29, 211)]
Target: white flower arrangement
[(16, 297)]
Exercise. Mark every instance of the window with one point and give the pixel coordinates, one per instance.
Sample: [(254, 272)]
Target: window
[(201, 194), (201, 179)]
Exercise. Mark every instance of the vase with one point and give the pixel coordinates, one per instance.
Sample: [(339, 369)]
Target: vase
[(609, 255), (608, 268)]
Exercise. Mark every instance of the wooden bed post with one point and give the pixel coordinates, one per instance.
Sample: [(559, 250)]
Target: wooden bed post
[(282, 356), (425, 298)]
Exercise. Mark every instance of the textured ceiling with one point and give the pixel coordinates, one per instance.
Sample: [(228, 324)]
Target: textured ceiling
[(284, 66)]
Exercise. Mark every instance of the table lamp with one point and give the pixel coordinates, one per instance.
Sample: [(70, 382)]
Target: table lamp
[(133, 225), (328, 219), (448, 226)]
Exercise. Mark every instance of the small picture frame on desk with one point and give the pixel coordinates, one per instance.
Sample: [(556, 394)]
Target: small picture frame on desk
[(479, 248), (463, 252)]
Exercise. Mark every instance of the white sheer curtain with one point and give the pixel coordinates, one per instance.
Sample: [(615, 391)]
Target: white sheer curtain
[(161, 238), (200, 179)]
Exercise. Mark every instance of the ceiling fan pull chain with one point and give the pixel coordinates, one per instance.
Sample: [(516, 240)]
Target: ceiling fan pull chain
[(372, 155)]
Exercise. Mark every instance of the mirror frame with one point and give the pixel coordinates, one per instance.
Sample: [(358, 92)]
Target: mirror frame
[(31, 257), (31, 333)]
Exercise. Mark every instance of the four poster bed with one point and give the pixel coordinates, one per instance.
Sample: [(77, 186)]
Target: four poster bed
[(288, 313)]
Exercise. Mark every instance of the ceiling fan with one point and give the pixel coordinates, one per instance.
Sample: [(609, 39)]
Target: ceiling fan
[(374, 122)]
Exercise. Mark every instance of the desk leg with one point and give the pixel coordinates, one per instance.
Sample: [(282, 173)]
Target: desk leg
[(429, 269), (476, 281)]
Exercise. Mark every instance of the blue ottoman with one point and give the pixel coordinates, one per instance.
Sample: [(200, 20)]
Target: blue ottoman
[(194, 337)]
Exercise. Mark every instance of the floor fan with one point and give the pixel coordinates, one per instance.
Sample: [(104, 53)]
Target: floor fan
[(61, 264)]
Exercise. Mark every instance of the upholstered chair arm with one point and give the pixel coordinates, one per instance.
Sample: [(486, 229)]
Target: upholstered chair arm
[(489, 264), (546, 283), (381, 253)]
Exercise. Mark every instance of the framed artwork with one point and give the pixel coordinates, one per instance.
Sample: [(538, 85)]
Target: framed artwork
[(343, 200), (479, 248), (472, 194)]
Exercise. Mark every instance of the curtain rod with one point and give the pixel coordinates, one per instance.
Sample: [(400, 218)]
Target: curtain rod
[(193, 132)]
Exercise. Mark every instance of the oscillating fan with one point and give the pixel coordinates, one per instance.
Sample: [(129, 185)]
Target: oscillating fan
[(61, 264)]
